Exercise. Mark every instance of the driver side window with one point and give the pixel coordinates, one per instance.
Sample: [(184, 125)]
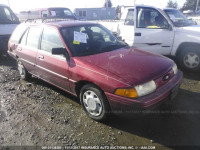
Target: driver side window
[(150, 18), (50, 40)]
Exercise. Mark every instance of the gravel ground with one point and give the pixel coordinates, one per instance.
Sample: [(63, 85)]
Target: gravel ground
[(35, 113)]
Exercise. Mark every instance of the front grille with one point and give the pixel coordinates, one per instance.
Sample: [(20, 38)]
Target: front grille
[(164, 78)]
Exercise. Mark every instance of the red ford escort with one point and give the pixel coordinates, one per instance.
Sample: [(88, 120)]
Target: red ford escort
[(87, 60)]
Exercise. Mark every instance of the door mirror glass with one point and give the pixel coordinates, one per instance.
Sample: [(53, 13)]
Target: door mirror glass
[(60, 51)]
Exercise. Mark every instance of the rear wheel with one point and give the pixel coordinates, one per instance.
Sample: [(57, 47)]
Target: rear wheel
[(22, 70), (190, 59), (94, 102)]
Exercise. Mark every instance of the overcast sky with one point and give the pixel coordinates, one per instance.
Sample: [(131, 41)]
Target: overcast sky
[(19, 5)]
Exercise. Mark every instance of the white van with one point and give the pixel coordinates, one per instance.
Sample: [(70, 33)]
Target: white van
[(8, 22)]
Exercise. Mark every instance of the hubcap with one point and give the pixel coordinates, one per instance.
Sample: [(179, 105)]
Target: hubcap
[(21, 69), (191, 60), (92, 103)]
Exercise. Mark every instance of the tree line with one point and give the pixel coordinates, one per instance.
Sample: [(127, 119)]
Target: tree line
[(188, 5)]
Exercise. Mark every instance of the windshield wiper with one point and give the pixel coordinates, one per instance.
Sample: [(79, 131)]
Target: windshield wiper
[(113, 47)]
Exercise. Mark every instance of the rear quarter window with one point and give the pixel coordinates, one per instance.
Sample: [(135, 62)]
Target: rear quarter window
[(18, 32), (34, 37)]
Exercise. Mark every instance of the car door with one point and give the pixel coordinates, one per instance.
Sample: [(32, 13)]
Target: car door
[(28, 47), (52, 68), (126, 30), (152, 31)]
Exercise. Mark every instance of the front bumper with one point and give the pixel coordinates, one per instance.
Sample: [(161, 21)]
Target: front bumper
[(121, 104)]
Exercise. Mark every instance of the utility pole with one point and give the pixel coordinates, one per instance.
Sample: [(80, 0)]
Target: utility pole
[(9, 3), (197, 6), (106, 3)]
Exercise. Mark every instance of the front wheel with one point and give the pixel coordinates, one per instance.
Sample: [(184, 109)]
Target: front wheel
[(94, 102), (22, 70), (190, 59)]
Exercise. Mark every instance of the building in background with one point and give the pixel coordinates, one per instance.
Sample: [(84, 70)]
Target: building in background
[(96, 13)]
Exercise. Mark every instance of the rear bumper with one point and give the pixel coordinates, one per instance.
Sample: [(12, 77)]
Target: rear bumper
[(13, 55), (4, 43), (121, 104)]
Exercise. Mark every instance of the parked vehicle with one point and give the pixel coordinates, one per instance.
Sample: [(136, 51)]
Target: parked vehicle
[(8, 22), (52, 12), (166, 32), (87, 60)]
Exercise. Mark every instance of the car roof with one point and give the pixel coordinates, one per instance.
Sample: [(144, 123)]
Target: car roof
[(70, 23), (170, 9), (61, 24), (37, 9), (3, 5)]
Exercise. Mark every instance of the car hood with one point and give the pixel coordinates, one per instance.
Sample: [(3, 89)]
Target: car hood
[(195, 29), (133, 65)]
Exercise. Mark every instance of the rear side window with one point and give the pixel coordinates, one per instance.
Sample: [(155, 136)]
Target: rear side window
[(51, 39), (34, 37), (130, 18), (17, 34)]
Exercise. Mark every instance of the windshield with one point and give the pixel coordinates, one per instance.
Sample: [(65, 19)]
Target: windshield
[(178, 19), (7, 16), (90, 39), (61, 12)]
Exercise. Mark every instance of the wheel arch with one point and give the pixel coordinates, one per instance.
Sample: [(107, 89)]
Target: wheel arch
[(182, 45), (80, 84)]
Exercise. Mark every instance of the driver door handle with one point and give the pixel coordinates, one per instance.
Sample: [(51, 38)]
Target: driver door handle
[(41, 57), (19, 49), (138, 34)]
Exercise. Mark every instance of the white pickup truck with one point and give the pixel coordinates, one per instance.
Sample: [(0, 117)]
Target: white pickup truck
[(8, 22), (164, 31)]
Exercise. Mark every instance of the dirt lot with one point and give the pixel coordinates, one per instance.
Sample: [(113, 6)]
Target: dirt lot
[(35, 113)]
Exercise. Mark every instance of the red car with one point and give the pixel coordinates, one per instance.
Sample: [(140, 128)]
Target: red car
[(87, 60)]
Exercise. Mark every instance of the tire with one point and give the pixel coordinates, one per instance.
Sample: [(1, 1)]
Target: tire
[(94, 102), (189, 59), (24, 74)]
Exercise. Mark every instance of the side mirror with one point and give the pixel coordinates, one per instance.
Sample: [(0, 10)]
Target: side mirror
[(60, 51), (170, 27)]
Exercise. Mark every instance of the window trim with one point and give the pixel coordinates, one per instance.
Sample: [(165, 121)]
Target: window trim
[(27, 30)]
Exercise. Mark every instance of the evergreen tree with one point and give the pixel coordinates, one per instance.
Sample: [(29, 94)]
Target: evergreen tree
[(172, 4), (109, 3), (190, 5)]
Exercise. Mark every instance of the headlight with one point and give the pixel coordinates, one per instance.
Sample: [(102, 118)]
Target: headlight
[(175, 69), (146, 88), (137, 91)]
